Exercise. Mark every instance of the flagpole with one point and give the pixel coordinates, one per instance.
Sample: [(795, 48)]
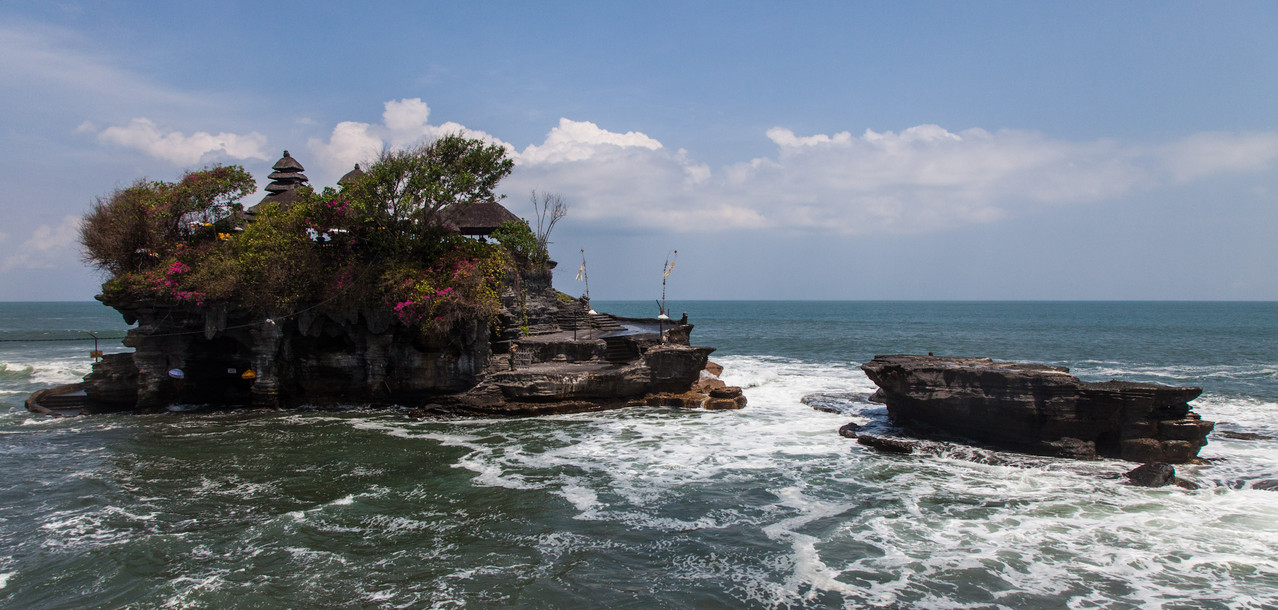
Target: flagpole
[(583, 276), (666, 270)]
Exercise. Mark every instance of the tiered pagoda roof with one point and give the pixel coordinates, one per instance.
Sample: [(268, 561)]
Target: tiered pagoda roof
[(284, 182), (286, 177)]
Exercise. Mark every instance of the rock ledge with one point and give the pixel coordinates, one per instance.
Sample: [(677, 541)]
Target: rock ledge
[(1040, 409)]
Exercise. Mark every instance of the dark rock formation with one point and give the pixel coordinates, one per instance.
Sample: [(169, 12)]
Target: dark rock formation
[(886, 444), (1040, 409), (113, 384), (1154, 474), (551, 357), (831, 402), (231, 357), (709, 392)]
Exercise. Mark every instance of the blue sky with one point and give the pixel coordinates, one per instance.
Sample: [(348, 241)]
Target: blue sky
[(906, 150)]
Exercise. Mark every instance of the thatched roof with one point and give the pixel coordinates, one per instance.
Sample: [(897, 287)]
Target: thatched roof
[(295, 177), (479, 218), (351, 177), (286, 177), (287, 163)]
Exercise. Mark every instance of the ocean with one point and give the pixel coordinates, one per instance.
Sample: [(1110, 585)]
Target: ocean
[(766, 507)]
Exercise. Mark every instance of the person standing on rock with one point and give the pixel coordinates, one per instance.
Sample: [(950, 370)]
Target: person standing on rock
[(514, 347)]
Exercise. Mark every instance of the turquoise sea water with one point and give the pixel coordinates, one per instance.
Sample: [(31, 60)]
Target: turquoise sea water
[(763, 507)]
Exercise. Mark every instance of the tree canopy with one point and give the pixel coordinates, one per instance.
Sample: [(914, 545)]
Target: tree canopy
[(405, 190), (134, 226), (380, 242)]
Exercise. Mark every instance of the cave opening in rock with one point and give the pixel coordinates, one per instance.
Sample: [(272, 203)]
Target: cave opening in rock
[(217, 374)]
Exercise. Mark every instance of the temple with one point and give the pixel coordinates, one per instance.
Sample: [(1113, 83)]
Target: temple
[(543, 352)]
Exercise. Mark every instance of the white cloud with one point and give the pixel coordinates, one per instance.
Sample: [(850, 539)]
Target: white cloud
[(1214, 152), (627, 178), (177, 148), (47, 247), (405, 122), (578, 140), (921, 179), (350, 143), (924, 178)]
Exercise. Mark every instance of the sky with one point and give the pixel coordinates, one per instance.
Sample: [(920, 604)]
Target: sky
[(809, 150)]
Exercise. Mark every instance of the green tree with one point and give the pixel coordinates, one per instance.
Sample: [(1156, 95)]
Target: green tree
[(405, 191), (518, 238)]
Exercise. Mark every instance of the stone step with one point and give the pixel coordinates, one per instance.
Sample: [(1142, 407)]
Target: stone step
[(578, 320), (618, 350), (603, 321)]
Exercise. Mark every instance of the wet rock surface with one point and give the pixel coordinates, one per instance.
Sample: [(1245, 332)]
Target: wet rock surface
[(546, 354), (1039, 409), (1154, 474), (887, 444), (708, 392)]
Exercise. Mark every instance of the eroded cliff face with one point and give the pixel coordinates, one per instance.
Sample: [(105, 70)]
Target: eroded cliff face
[(236, 358), (1040, 409), (545, 355)]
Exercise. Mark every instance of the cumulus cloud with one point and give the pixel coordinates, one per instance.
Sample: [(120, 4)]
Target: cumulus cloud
[(404, 123), (579, 140), (47, 247), (920, 179), (926, 178), (626, 177), (144, 135)]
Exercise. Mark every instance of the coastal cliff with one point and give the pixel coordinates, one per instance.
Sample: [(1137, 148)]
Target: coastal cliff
[(565, 360)]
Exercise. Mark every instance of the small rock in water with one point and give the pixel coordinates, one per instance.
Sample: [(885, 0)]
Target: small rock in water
[(885, 444), (1183, 484), (833, 402), (849, 430), (1071, 448), (1153, 474), (1244, 436)]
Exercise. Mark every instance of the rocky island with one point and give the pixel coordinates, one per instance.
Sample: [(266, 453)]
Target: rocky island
[(1039, 409), (407, 284)]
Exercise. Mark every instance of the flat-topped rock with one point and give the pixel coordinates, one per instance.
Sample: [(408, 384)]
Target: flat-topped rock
[(1039, 408), (663, 368)]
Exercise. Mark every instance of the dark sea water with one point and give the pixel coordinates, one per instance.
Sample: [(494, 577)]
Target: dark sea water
[(653, 507)]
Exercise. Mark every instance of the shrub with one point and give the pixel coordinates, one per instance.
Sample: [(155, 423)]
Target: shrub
[(517, 236), (376, 244), (135, 227)]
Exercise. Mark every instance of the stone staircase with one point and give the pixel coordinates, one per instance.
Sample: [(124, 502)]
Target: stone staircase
[(619, 350), (572, 316)]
